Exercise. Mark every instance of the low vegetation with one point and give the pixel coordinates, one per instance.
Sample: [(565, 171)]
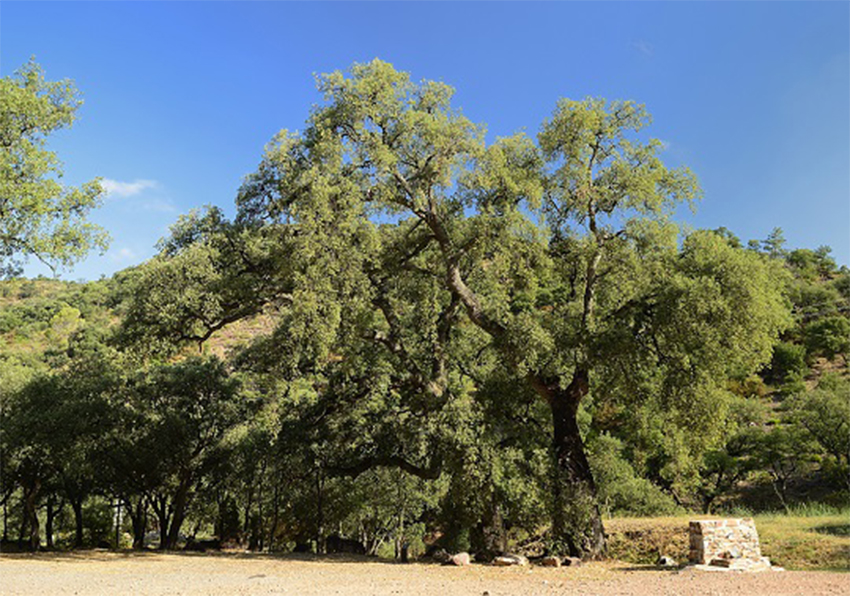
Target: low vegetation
[(801, 539)]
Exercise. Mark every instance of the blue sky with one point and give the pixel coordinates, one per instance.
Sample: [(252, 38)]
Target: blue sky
[(180, 98)]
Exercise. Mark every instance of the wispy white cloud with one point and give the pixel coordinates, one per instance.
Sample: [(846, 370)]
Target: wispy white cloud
[(116, 188), (643, 47), (149, 201), (160, 205), (122, 255)]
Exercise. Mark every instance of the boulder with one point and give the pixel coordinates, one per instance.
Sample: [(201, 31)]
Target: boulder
[(665, 561), (550, 561), (510, 560), (460, 560), (571, 562)]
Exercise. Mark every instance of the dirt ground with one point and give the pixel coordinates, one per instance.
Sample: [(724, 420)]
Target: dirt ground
[(150, 574)]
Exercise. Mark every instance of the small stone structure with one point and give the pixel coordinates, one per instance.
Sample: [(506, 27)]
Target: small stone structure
[(726, 544)]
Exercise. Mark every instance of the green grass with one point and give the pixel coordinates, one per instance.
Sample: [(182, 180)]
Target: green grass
[(807, 541), (811, 538)]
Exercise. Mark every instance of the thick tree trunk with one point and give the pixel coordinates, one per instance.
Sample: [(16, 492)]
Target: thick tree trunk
[(275, 516), (159, 504), (77, 507), (139, 518), (577, 524), (181, 499), (31, 516), (489, 540)]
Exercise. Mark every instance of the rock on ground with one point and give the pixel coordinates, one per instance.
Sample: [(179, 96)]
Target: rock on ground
[(510, 560)]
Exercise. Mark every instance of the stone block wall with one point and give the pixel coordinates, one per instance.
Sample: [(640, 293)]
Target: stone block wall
[(724, 542)]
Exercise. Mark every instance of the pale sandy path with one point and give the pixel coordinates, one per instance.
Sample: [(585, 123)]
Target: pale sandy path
[(149, 574)]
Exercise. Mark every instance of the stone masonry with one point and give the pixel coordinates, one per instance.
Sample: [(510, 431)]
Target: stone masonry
[(726, 543)]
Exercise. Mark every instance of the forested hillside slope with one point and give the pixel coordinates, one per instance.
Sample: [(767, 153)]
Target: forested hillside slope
[(274, 472)]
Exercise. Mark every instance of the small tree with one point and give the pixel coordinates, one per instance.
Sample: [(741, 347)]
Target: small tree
[(39, 217), (824, 414)]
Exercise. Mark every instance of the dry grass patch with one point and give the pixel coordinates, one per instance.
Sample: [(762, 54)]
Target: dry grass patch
[(795, 542)]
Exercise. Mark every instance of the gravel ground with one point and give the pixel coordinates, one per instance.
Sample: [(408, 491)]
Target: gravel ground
[(150, 574)]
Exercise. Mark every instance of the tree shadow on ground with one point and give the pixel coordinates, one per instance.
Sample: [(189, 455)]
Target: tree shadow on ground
[(833, 529), (111, 555), (649, 567)]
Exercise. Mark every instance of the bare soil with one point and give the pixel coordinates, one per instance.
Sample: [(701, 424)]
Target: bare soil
[(149, 574)]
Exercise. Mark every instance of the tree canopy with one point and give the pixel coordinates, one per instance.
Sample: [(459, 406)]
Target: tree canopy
[(411, 243), (39, 216), (411, 332)]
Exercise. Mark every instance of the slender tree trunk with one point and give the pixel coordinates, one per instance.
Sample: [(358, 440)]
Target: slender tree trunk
[(249, 504), (320, 513), (577, 523), (48, 523), (260, 496), (275, 515), (218, 524), (77, 508), (780, 486), (23, 529)]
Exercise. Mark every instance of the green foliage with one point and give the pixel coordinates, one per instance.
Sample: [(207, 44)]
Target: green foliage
[(812, 265), (788, 360), (209, 273), (824, 413), (39, 217), (414, 266), (828, 337), (419, 330), (774, 244), (621, 491)]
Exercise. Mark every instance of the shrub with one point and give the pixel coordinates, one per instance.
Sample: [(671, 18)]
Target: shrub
[(788, 359), (620, 490), (828, 337)]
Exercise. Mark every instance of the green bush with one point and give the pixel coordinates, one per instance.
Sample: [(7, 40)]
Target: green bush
[(620, 490), (828, 337), (788, 359)]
